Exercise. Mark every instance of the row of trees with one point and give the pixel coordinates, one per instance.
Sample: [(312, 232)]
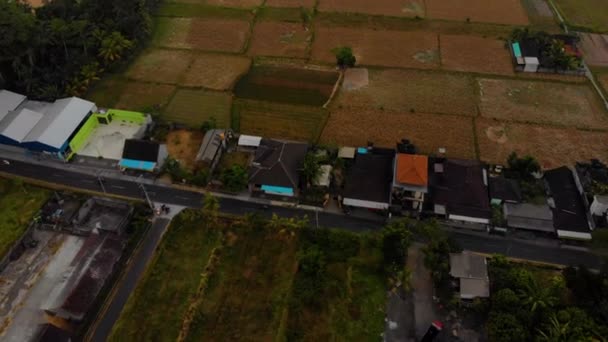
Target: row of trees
[(64, 46)]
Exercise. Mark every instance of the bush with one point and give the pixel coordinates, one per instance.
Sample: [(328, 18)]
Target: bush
[(505, 327), (235, 178), (396, 240), (345, 57)]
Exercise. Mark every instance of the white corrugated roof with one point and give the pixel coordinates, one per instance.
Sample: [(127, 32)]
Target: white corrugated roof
[(17, 124), (9, 101), (60, 121), (249, 140)]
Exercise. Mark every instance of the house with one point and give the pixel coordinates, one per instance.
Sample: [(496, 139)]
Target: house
[(459, 190), (593, 177), (276, 168), (410, 182), (570, 216), (532, 53), (504, 190), (368, 180), (471, 273), (528, 216), (214, 143), (142, 155)]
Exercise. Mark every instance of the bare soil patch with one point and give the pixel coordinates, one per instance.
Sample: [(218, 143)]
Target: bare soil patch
[(271, 38), (290, 3), (552, 77), (415, 49), (552, 147), (595, 48), (183, 145), (172, 32), (542, 102), (227, 35), (508, 12), (475, 54), (411, 90), (395, 8), (214, 71), (139, 96), (160, 66), (355, 78), (429, 132), (604, 82)]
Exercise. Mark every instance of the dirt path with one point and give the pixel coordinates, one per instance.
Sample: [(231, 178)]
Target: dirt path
[(424, 309)]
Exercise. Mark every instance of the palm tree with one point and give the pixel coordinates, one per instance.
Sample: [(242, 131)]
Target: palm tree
[(537, 297), (311, 169), (113, 46), (556, 331)]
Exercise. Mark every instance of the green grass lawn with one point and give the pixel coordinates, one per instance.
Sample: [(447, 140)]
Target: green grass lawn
[(193, 107), (588, 14), (155, 311), (18, 204)]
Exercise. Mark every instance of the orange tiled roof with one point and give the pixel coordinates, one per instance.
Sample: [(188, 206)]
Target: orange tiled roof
[(412, 169)]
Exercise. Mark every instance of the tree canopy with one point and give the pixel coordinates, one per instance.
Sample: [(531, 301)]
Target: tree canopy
[(61, 48)]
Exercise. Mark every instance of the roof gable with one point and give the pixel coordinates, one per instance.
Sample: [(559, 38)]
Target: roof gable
[(278, 163), (17, 124), (60, 121), (9, 101), (411, 169)]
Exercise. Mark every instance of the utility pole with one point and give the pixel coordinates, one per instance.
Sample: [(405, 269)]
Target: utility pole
[(100, 180), (141, 186)]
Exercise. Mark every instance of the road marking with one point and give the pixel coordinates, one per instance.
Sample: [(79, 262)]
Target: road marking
[(117, 187)]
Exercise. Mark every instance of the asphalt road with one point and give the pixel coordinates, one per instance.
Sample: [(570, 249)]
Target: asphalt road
[(128, 282), (157, 193)]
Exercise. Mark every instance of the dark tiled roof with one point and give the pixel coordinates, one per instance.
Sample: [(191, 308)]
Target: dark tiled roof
[(460, 187), (504, 189), (142, 150), (50, 333), (370, 177), (569, 213), (278, 163)]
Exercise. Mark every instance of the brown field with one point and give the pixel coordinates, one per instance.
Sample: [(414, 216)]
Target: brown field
[(604, 82), (541, 102), (280, 39), (475, 54), (429, 132), (551, 77), (394, 8), (290, 3), (227, 35), (553, 147), (194, 107), (420, 91), (183, 145), (138, 96), (595, 48), (508, 12), (234, 3), (218, 72), (161, 66), (413, 49)]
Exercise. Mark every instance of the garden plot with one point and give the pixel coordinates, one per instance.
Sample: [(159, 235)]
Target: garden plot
[(291, 3), (172, 32), (194, 107), (231, 3), (415, 49), (508, 12), (541, 102), (552, 147), (215, 71), (139, 96), (160, 66), (417, 91), (475, 54), (281, 121), (280, 39), (591, 14), (394, 8), (287, 85), (429, 132)]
